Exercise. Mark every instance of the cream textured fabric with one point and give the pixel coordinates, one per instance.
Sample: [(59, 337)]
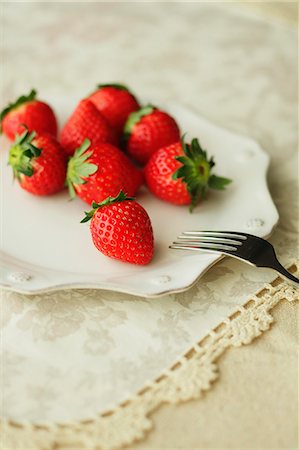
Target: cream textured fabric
[(187, 379), (237, 70)]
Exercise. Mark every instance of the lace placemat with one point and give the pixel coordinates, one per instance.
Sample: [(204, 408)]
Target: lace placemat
[(192, 374)]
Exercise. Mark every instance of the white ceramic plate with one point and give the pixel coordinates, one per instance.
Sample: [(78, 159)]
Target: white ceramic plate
[(44, 246)]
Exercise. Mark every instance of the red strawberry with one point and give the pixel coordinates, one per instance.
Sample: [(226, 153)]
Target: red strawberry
[(85, 122), (39, 163), (115, 102), (147, 130), (27, 112), (181, 174), (121, 228), (100, 172)]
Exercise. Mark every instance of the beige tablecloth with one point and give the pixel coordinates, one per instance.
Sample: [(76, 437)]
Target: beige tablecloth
[(254, 404)]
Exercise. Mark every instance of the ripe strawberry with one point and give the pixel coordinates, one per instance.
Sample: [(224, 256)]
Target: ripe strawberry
[(27, 113), (181, 174), (85, 122), (115, 102), (100, 172), (38, 162), (121, 228), (147, 130)]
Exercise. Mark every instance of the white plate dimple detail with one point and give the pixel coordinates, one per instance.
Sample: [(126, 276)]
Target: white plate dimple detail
[(249, 153), (64, 255), (162, 279), (19, 277), (255, 223)]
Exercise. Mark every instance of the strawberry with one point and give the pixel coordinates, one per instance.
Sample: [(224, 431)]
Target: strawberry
[(27, 113), (115, 102), (85, 122), (121, 228), (181, 174), (100, 171), (147, 130), (38, 162)]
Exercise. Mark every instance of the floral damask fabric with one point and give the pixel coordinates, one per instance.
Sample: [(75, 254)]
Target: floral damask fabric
[(193, 373), (72, 354)]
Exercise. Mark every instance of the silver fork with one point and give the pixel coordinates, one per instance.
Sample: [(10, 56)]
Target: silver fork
[(246, 247)]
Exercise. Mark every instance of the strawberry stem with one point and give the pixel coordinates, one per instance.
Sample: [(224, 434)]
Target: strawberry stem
[(134, 118), (79, 169), (22, 153), (195, 171), (119, 86), (23, 99), (108, 201)]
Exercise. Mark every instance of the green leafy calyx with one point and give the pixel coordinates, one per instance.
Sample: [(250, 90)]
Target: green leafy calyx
[(118, 86), (22, 154), (23, 99), (195, 171), (134, 118), (79, 168), (108, 201)]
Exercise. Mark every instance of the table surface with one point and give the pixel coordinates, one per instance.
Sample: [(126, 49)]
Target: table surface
[(253, 404)]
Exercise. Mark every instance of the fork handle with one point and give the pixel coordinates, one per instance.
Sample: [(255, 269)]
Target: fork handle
[(287, 275)]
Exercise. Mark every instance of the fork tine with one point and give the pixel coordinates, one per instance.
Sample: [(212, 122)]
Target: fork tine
[(215, 240), (203, 246), (223, 234), (182, 247)]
